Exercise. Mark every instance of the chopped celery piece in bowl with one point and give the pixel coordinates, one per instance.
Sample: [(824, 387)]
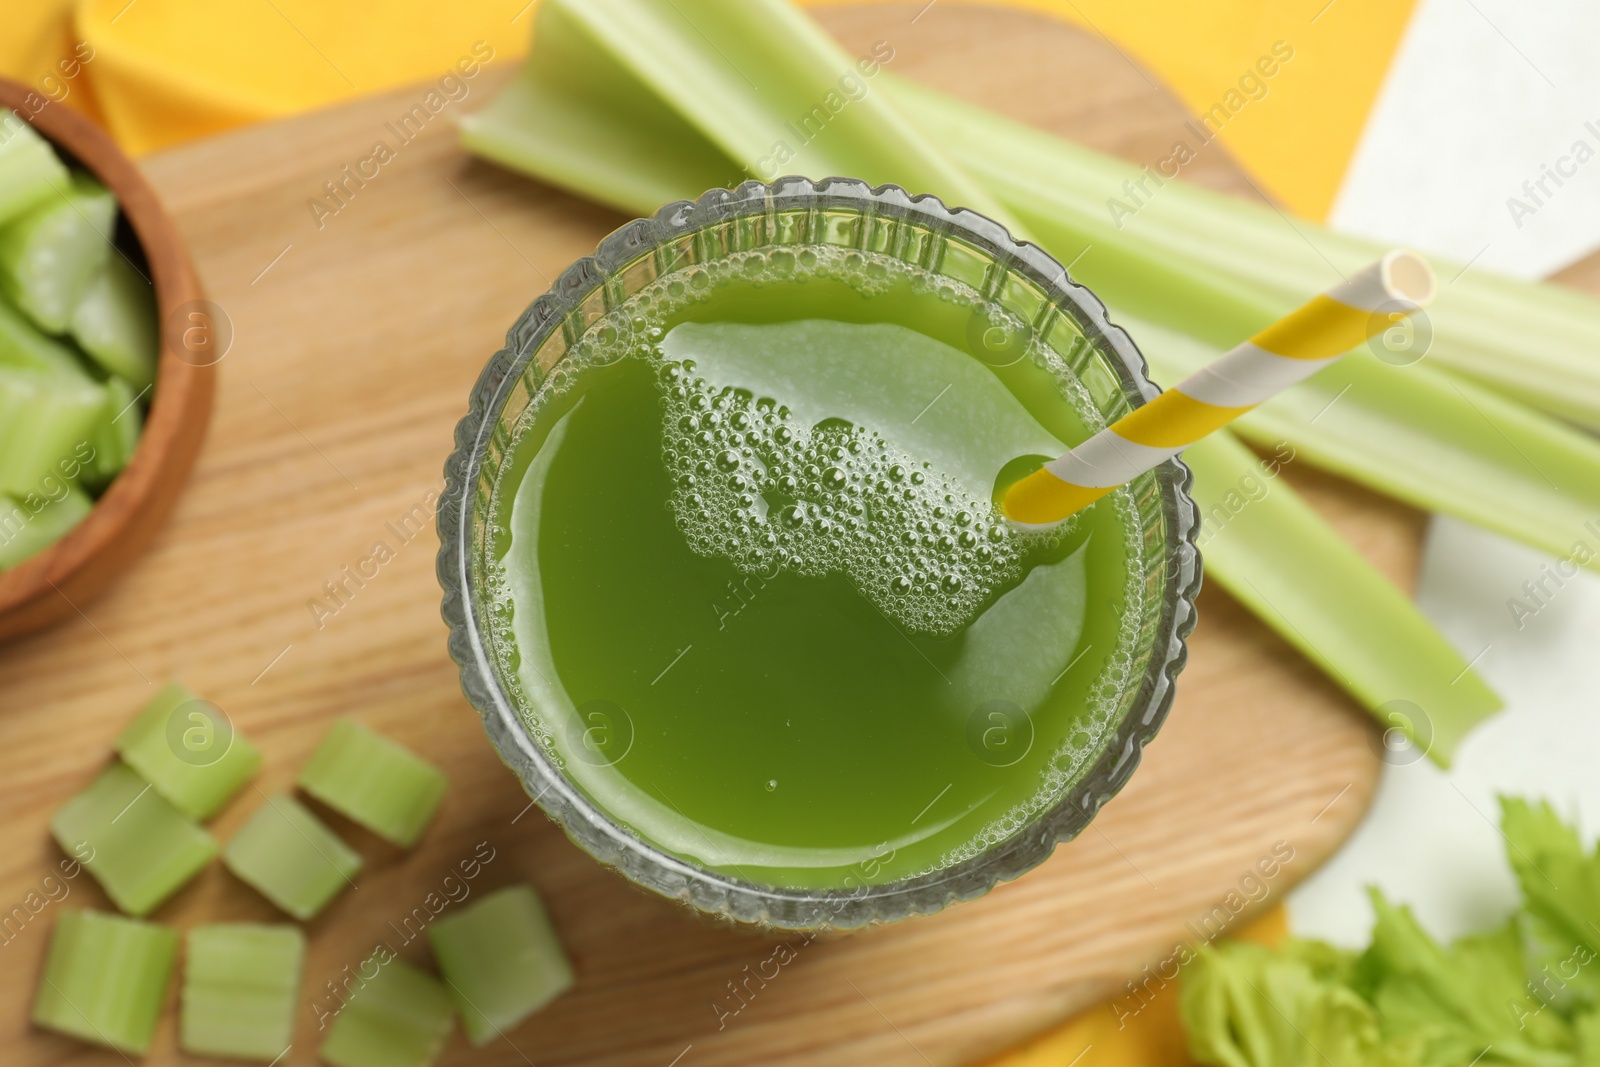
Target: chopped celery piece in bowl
[(47, 427), (401, 1017), (188, 751), (29, 526), (116, 434), (138, 847), (240, 981), (115, 322), (50, 253), (105, 979), (502, 960), (374, 781), (29, 168), (290, 857)]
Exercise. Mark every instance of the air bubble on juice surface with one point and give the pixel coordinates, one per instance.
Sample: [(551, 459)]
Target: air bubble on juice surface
[(826, 512)]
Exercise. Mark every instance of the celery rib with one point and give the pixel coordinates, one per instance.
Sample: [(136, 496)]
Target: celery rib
[(138, 847), (580, 81), (400, 1017), (240, 983), (29, 527), (290, 857), (374, 781), (49, 254), (105, 979), (29, 168), (188, 751), (502, 960)]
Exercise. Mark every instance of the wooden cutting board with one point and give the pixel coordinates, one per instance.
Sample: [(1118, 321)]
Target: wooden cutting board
[(355, 343)]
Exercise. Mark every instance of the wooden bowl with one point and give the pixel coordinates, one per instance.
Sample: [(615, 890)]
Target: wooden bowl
[(62, 579)]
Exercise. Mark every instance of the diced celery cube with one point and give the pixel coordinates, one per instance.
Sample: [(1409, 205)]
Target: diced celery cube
[(399, 1018), (117, 433), (25, 532), (29, 167), (189, 751), (50, 253), (374, 781), (23, 345), (48, 423), (115, 322), (138, 847), (502, 961), (105, 979), (291, 857), (240, 981)]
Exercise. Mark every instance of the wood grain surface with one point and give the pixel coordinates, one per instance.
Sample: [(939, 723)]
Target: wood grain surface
[(355, 343)]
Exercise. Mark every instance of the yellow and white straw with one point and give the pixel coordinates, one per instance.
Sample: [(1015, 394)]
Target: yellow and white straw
[(1289, 351)]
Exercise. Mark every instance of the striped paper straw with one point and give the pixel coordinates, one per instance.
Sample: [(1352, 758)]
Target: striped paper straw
[(1289, 351)]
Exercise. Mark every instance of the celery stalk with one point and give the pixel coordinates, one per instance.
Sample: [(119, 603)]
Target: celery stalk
[(502, 961), (23, 345), (1392, 654), (116, 434), (48, 422), (49, 254), (401, 1017), (188, 751), (28, 527), (290, 857), (29, 168), (1533, 341), (240, 982), (115, 322), (138, 847), (105, 979), (580, 101), (1437, 442), (370, 779)]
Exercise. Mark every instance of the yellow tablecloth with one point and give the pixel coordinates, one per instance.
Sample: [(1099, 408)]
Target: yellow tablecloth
[(160, 72), (166, 71)]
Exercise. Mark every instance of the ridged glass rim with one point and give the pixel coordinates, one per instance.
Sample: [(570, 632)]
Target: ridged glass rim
[(595, 278)]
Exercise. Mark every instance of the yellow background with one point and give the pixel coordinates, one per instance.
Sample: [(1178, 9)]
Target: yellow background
[(165, 71)]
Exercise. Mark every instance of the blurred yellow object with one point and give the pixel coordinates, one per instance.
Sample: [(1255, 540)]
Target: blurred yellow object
[(167, 71), (1100, 1037)]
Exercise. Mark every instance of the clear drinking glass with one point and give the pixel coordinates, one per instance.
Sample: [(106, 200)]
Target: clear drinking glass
[(919, 230)]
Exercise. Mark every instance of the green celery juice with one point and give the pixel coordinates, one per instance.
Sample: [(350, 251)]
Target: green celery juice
[(753, 595)]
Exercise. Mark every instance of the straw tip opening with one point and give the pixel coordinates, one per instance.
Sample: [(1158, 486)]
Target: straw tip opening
[(1407, 276)]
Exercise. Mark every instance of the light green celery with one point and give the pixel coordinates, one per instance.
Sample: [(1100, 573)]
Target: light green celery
[(105, 979), (1327, 601), (23, 345), (583, 147), (26, 530), (502, 961), (1413, 432), (1531, 340), (240, 981), (290, 857), (584, 122), (370, 779), (115, 322), (188, 751), (50, 254), (117, 433), (48, 422), (762, 82), (1438, 442), (138, 847), (29, 167), (401, 1017)]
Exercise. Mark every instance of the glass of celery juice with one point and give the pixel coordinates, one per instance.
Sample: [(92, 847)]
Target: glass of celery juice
[(725, 576)]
